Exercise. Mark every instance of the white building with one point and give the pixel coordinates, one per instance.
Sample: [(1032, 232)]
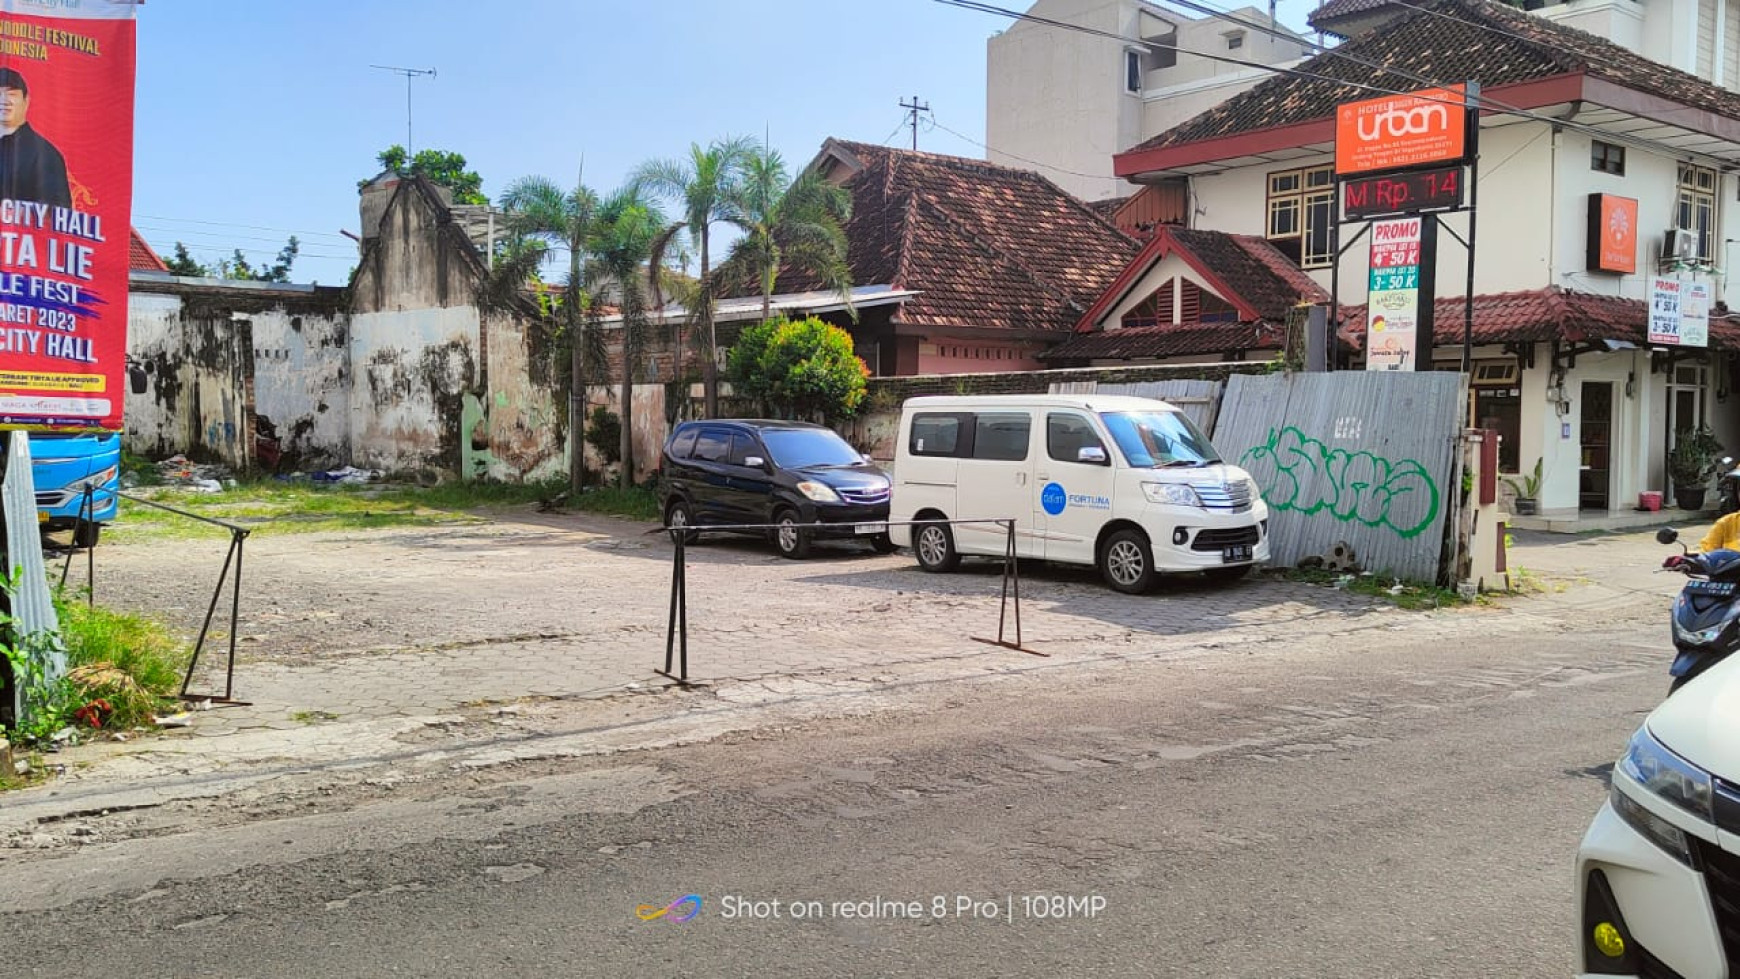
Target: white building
[(1563, 367), (1064, 101)]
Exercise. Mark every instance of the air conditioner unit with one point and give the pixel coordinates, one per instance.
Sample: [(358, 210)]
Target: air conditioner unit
[(1679, 245)]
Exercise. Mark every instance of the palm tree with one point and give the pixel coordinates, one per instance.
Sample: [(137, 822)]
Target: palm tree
[(624, 251), (702, 185), (538, 209), (788, 223)]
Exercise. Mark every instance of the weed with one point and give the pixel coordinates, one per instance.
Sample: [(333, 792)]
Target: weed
[(131, 662), (313, 716), (1411, 595), (638, 503)]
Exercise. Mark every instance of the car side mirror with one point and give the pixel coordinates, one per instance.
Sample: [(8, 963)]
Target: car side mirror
[(866, 457), (1092, 454), (755, 462), (1666, 535)]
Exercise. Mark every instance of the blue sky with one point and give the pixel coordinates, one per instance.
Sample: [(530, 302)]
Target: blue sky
[(256, 119)]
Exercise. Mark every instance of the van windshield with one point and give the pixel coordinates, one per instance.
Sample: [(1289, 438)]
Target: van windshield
[(806, 448), (1159, 439)]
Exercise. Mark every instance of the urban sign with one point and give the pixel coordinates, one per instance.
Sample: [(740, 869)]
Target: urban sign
[(66, 188), (1612, 234), (1399, 302), (1395, 132), (1403, 193)]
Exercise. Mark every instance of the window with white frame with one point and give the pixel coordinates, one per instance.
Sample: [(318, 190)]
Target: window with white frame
[(1696, 210), (1301, 213)]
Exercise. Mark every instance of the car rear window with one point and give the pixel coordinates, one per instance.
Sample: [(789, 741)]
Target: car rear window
[(714, 445), (683, 446), (936, 435)]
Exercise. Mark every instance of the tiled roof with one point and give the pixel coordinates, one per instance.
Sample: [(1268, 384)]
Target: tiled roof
[(1541, 315), (1187, 340), (1108, 207), (1473, 39), (1330, 10), (1254, 269), (985, 246), (140, 257)]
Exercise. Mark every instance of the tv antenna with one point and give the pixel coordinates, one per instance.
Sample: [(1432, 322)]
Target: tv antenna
[(410, 74)]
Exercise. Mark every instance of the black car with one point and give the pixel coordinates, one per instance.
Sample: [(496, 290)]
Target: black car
[(803, 478)]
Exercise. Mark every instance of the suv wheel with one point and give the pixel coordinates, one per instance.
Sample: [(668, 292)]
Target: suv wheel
[(677, 515), (789, 537), (934, 544), (1127, 562)]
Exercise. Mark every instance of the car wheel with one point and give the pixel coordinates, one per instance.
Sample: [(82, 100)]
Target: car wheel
[(1127, 562), (86, 533), (1228, 575), (789, 537), (882, 544), (677, 515), (934, 544)]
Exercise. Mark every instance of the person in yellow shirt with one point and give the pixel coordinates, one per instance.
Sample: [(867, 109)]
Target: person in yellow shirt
[(1724, 535)]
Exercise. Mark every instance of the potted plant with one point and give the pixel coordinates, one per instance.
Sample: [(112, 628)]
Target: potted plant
[(1690, 465), (1528, 492)]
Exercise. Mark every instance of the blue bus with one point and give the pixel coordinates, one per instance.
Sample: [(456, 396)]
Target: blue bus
[(63, 466)]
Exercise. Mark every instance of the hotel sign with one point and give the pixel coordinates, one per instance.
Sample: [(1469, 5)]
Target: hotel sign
[(1395, 132)]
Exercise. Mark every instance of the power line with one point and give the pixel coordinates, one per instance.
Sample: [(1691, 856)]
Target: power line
[(1044, 166), (251, 227), (1482, 101), (224, 236)]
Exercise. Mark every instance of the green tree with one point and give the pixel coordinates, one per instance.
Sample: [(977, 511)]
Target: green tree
[(702, 185), (804, 368), (540, 215), (183, 263), (237, 267), (624, 253), (442, 167), (787, 222)]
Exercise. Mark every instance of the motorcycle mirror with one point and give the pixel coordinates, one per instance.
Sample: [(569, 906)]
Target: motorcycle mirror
[(1666, 535)]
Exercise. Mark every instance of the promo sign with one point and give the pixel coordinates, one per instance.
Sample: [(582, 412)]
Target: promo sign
[(1398, 317), (1397, 131), (1664, 310), (66, 200), (1695, 314), (1612, 234)]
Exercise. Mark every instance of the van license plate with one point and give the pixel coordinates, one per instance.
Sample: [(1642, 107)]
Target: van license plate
[(870, 528), (1232, 555)]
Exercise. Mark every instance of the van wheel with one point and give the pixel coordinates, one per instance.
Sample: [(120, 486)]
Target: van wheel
[(789, 537), (1127, 562), (935, 546), (86, 533)]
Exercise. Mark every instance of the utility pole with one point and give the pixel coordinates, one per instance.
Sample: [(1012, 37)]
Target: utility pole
[(409, 73), (916, 109)]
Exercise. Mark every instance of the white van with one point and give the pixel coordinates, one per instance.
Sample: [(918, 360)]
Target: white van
[(1658, 873), (1129, 485)]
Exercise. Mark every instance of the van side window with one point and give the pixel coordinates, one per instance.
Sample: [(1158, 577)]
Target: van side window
[(1002, 435), (714, 445), (683, 445), (1066, 435), (936, 435)]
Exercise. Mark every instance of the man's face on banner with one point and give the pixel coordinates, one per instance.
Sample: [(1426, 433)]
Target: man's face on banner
[(14, 106)]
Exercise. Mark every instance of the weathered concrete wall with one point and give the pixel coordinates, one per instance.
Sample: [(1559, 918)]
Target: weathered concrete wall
[(412, 372), (302, 386), (515, 432), (197, 399), (154, 335)]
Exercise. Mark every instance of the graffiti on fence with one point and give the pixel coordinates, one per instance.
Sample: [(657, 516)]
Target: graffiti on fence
[(1301, 474)]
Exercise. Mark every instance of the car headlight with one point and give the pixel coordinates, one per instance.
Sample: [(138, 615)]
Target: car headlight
[(819, 492), (1177, 494), (1650, 764)]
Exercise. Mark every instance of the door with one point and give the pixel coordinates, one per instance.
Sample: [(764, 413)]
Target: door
[(710, 476), (751, 486), (995, 482), (1595, 463), (1075, 480)]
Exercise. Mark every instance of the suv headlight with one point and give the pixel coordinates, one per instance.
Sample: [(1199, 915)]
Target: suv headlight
[(1649, 763), (1177, 494), (819, 492)]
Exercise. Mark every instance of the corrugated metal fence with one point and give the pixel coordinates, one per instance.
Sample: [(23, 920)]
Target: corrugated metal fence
[(1198, 399), (1363, 458)]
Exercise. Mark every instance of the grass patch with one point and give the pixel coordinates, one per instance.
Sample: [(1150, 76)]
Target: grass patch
[(131, 662), (1404, 594), (274, 507)]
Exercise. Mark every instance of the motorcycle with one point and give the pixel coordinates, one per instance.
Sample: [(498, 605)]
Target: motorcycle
[(1728, 485), (1706, 616)]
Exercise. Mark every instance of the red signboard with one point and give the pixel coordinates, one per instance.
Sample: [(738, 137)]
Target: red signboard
[(1398, 131), (1612, 234), (1402, 193), (66, 199)]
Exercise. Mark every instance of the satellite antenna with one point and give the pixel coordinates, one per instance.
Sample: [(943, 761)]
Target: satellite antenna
[(409, 73)]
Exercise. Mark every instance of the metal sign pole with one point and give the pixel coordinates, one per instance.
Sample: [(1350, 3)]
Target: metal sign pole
[(1471, 96)]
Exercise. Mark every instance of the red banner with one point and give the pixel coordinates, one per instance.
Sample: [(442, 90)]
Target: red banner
[(66, 201)]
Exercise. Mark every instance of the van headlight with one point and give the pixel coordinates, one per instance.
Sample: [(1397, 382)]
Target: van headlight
[(101, 479), (1650, 764), (1177, 494), (819, 492)]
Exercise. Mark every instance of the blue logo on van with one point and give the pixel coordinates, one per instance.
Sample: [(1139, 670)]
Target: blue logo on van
[(1053, 499)]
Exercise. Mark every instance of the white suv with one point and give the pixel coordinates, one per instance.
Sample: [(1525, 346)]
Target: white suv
[(1658, 874)]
